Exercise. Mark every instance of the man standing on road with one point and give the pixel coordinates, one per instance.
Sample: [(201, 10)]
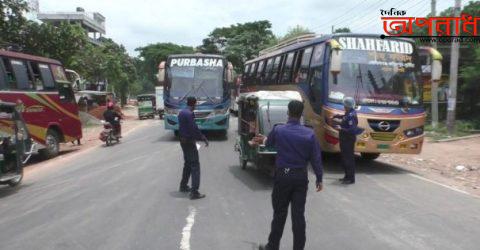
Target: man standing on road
[(348, 135), (296, 146), (189, 134)]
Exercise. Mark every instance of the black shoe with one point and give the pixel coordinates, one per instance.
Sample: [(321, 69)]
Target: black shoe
[(263, 247), (196, 196), (348, 182), (185, 189), (341, 179)]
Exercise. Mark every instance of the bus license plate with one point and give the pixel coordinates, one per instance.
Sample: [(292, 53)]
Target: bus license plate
[(383, 146)]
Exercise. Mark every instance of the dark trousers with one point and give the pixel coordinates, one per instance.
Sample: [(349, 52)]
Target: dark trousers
[(347, 146), (289, 188), (191, 166)]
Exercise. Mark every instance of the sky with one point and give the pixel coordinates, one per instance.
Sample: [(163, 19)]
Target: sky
[(186, 22)]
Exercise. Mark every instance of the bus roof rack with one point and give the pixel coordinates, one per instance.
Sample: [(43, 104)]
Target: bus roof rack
[(288, 42)]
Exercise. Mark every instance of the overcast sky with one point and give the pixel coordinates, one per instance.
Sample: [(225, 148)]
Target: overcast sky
[(141, 22)]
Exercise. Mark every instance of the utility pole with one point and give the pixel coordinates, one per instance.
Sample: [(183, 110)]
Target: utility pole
[(452, 95), (333, 30), (434, 84)]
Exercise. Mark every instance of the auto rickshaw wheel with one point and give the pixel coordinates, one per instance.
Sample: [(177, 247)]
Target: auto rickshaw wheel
[(17, 180), (244, 164), (52, 146)]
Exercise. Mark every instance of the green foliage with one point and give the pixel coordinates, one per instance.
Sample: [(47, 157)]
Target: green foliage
[(11, 20), (239, 42), (294, 32), (149, 58), (342, 30), (62, 42)]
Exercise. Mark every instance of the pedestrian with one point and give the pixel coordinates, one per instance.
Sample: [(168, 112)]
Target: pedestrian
[(189, 134), (296, 146), (348, 128)]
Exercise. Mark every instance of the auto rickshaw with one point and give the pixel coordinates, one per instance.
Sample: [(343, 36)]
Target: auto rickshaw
[(258, 113), (146, 106), (16, 146)]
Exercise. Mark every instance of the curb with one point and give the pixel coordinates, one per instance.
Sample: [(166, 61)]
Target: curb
[(458, 138)]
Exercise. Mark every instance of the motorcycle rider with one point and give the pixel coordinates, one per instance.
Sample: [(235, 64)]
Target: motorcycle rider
[(113, 117)]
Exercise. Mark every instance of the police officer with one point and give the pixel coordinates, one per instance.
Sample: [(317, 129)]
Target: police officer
[(348, 135), (296, 146), (189, 134)]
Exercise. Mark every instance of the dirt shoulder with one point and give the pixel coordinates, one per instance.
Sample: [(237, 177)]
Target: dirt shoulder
[(454, 163), (89, 141)]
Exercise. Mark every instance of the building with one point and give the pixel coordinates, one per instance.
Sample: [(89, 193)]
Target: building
[(92, 22)]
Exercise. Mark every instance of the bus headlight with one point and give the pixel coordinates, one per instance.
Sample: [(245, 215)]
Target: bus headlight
[(413, 132)]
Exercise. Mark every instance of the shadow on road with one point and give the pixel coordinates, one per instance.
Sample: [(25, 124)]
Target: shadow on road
[(211, 136), (37, 158), (254, 179), (333, 164), (6, 190)]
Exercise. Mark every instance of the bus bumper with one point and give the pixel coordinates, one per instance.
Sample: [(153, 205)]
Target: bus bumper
[(217, 122)]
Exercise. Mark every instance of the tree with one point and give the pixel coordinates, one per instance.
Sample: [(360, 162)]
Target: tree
[(151, 55), (62, 42), (12, 21), (294, 32), (239, 42), (342, 30)]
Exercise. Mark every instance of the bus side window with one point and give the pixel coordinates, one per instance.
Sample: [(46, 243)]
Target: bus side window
[(11, 81), (276, 69), (3, 76), (24, 80), (47, 77), (287, 68), (268, 70), (260, 72), (37, 79), (254, 71), (245, 74), (304, 60)]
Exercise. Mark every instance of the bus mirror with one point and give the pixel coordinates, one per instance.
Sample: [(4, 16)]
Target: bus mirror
[(161, 72), (229, 72), (436, 70), (336, 61)]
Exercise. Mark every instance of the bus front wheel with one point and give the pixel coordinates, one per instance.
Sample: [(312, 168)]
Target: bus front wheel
[(52, 146), (369, 156)]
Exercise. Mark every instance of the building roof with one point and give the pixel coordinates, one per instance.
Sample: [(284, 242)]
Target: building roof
[(91, 21)]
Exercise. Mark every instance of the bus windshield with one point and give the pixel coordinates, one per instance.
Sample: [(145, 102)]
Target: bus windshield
[(201, 82), (376, 78)]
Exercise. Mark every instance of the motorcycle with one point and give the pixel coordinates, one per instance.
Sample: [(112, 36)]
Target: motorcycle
[(109, 135)]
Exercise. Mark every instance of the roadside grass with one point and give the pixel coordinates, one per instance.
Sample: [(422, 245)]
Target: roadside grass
[(462, 128)]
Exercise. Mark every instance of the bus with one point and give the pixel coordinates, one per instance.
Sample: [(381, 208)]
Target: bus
[(204, 76), (44, 96), (382, 75)]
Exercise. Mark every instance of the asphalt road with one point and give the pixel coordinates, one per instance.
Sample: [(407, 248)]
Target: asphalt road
[(125, 197)]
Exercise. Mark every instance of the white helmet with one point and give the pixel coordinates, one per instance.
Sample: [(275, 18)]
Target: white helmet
[(349, 102)]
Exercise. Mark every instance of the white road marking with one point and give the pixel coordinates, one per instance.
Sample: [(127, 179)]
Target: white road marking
[(443, 185), (186, 232)]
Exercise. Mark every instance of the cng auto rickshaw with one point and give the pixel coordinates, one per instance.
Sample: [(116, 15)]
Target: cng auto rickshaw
[(258, 113), (146, 106), (16, 146)]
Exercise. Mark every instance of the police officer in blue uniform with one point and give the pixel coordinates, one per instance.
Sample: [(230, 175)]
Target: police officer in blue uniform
[(348, 135), (189, 134), (296, 146)]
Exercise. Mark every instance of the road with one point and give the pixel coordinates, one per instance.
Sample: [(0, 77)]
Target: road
[(125, 197)]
